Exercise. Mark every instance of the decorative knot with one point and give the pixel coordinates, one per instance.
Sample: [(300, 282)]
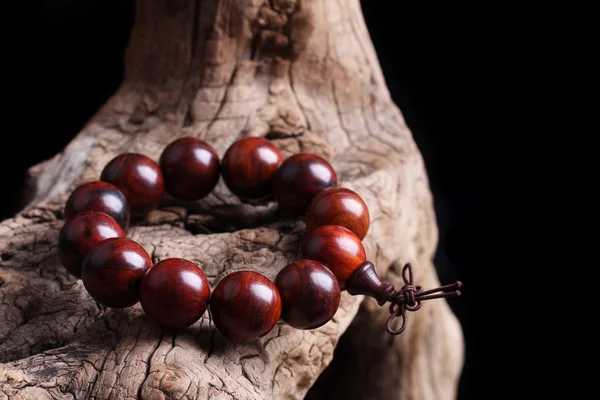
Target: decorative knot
[(409, 298)]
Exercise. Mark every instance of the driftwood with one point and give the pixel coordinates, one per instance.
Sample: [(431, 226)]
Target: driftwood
[(304, 74)]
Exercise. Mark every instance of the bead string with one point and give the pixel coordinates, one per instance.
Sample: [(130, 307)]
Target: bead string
[(96, 251), (409, 298)]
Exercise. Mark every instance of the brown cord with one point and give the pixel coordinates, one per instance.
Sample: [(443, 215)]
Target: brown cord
[(409, 298)]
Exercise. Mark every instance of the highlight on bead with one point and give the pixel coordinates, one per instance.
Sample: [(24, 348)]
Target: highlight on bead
[(299, 179), (249, 166), (310, 294), (245, 305), (336, 247), (113, 270), (139, 178), (338, 206), (174, 293), (101, 197), (190, 168), (80, 233)]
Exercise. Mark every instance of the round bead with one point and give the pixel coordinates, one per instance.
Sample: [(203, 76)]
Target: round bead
[(174, 293), (337, 248), (113, 270), (299, 179), (139, 178), (338, 206), (190, 167), (310, 294), (245, 305), (248, 167), (99, 196), (80, 233)]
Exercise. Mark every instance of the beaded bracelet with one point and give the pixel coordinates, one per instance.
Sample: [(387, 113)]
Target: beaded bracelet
[(245, 305)]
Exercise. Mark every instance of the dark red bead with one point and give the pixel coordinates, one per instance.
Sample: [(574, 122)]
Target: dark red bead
[(338, 206), (190, 167), (174, 293), (337, 248), (80, 233), (299, 179), (310, 294), (99, 196), (248, 167), (245, 305), (113, 270), (139, 178)]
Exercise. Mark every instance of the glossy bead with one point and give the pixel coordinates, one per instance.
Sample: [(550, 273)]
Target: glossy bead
[(248, 167), (99, 196), (80, 233), (338, 206), (139, 178), (113, 270), (190, 167), (299, 179), (310, 294), (174, 293), (245, 305), (337, 248)]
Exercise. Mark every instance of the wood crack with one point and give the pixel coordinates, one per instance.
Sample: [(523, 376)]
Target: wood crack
[(148, 365)]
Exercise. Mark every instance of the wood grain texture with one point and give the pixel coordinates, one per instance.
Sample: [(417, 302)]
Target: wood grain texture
[(305, 74)]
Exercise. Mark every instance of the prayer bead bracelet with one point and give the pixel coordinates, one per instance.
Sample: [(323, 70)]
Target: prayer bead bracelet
[(245, 305)]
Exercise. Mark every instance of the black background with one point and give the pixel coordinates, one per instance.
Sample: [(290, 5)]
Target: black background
[(448, 72)]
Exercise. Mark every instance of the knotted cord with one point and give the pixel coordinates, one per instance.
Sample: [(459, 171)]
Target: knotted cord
[(409, 298)]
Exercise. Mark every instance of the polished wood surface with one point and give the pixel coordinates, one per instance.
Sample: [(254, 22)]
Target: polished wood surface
[(310, 294)]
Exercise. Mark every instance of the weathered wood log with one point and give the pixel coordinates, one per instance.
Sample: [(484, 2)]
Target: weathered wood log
[(302, 73)]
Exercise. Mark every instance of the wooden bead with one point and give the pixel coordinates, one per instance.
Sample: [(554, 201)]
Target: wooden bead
[(338, 206), (113, 270), (190, 167), (337, 248), (248, 167), (310, 294), (139, 178), (299, 179), (80, 233), (99, 196), (174, 293), (245, 305)]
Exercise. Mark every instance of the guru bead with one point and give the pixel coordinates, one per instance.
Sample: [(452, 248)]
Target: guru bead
[(190, 167), (299, 179), (245, 305), (139, 178), (80, 233), (337, 248), (310, 294), (338, 206), (174, 293), (248, 167), (113, 270), (99, 196)]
